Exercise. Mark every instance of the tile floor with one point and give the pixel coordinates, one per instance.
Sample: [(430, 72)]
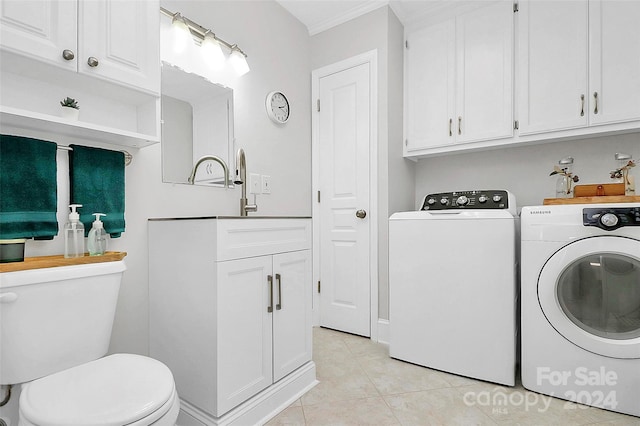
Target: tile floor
[(361, 385)]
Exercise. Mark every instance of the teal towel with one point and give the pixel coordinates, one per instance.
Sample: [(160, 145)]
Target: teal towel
[(97, 182), (28, 188)]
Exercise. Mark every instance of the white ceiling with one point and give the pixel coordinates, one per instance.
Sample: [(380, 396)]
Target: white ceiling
[(320, 15)]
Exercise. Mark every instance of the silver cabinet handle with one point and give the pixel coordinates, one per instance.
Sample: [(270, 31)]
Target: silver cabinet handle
[(68, 54), (460, 125), (595, 98), (279, 281), (582, 107), (361, 214), (8, 297), (270, 281), (450, 125), (93, 62)]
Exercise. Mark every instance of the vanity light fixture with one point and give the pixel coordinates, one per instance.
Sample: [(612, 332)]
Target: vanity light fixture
[(208, 41)]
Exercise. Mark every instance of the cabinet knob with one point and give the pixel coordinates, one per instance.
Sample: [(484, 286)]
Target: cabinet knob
[(93, 62), (68, 54)]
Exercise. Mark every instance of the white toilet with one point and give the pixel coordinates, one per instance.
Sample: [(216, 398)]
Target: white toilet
[(55, 328)]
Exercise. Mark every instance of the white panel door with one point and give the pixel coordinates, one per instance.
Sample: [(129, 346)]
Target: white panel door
[(344, 142), (484, 63), (429, 87), (614, 53), (553, 66), (39, 28), (292, 340), (244, 330), (123, 36)]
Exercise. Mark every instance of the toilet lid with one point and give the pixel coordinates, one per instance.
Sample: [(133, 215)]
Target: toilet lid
[(115, 390)]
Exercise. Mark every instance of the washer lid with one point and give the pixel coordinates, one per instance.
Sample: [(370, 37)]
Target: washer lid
[(115, 390)]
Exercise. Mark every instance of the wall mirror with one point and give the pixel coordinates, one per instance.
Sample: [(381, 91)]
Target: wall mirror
[(197, 120)]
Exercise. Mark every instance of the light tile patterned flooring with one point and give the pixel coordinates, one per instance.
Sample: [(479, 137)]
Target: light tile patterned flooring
[(361, 385)]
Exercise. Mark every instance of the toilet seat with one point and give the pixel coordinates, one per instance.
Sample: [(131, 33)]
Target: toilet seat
[(121, 389)]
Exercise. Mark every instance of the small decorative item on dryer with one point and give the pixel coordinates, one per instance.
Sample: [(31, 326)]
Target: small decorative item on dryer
[(566, 178), (622, 173), (70, 109)]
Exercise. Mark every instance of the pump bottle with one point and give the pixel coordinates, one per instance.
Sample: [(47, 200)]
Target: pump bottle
[(74, 234), (97, 241)]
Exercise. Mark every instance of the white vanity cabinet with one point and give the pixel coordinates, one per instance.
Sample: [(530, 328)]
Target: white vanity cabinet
[(230, 312), (103, 53), (578, 64), (459, 79)]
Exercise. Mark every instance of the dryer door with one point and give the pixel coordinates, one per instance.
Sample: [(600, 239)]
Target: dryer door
[(590, 293)]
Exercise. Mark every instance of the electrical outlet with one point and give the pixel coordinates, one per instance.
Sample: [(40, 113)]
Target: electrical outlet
[(266, 184), (254, 183)]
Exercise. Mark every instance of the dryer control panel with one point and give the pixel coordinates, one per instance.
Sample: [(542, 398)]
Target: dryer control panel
[(457, 200), (610, 219)]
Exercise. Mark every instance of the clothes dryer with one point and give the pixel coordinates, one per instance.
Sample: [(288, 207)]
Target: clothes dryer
[(453, 284), (581, 303)]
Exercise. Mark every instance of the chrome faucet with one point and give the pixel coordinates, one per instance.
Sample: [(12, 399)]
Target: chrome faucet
[(212, 158), (241, 179)]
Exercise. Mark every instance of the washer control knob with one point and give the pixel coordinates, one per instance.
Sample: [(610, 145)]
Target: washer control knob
[(609, 220), (444, 201), (483, 199), (462, 200), (431, 201), (497, 198)]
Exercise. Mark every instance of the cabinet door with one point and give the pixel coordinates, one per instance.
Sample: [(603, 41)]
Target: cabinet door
[(244, 351), (484, 64), (552, 63), (614, 53), (39, 28), (429, 87), (292, 340), (123, 36)]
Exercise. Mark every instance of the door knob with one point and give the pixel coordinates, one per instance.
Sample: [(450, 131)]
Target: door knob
[(93, 62), (361, 214)]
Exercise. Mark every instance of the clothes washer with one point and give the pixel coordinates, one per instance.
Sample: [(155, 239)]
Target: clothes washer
[(453, 284), (581, 303)]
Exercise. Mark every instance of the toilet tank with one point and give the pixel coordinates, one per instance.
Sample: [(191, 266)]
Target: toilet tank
[(52, 319)]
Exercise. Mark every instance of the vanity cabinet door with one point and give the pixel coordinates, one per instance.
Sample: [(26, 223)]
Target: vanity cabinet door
[(292, 328), (41, 29), (244, 332), (122, 37)]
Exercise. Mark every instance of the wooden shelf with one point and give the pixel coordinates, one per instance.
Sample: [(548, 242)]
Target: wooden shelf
[(592, 200), (59, 260)]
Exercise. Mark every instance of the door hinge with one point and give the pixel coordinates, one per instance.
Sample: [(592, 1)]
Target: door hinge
[(318, 196), (406, 44), (516, 125), (406, 142), (516, 7), (318, 286), (318, 105)]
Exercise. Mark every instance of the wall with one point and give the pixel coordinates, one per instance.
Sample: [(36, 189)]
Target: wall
[(380, 30), (524, 170), (277, 46)]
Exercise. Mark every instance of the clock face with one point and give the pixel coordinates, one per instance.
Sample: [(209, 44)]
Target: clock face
[(277, 107)]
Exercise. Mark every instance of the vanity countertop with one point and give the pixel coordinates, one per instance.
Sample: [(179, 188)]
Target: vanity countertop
[(229, 217)]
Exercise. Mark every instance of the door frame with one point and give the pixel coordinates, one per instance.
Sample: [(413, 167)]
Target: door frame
[(371, 58)]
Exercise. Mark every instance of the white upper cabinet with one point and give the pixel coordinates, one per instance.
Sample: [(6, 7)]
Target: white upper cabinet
[(41, 29), (614, 70), (578, 64), (459, 80), (114, 40)]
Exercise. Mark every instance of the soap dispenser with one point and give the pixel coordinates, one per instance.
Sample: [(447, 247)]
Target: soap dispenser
[(97, 241), (74, 234)]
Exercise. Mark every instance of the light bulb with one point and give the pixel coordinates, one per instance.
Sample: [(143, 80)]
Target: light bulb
[(212, 52), (181, 33), (238, 62)]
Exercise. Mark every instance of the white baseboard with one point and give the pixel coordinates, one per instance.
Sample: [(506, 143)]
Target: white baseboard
[(383, 331)]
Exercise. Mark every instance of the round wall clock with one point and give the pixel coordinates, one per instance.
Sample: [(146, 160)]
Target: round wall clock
[(277, 107)]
